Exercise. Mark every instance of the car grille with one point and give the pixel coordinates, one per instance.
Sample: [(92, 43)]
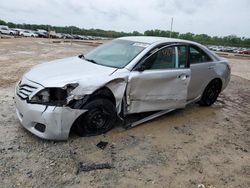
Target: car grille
[(25, 90)]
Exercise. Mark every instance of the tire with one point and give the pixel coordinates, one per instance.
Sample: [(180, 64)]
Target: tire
[(211, 93), (100, 118)]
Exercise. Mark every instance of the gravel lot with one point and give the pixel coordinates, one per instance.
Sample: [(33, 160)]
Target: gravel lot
[(197, 145)]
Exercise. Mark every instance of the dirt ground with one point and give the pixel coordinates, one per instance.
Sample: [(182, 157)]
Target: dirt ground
[(196, 145)]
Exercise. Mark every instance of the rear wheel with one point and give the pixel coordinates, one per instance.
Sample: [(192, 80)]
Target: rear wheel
[(211, 93), (100, 118)]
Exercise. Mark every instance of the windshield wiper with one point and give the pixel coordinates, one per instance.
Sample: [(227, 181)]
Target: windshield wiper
[(90, 60), (81, 56)]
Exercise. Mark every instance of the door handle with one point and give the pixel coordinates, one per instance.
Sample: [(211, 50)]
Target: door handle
[(183, 76)]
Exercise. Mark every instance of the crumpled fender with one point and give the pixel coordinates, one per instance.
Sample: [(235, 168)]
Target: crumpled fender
[(117, 85)]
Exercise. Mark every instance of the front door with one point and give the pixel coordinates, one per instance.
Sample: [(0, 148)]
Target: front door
[(160, 82)]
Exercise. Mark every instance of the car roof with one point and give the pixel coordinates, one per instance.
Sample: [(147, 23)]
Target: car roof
[(151, 40)]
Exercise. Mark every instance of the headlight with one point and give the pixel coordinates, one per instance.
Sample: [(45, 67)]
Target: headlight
[(53, 96), (42, 96)]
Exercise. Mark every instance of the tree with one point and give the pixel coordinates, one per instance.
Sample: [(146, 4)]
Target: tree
[(2, 22)]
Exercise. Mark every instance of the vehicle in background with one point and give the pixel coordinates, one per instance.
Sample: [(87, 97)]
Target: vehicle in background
[(85, 37), (59, 35), (42, 30), (67, 36), (81, 37), (17, 30), (42, 34), (8, 31), (214, 48), (13, 32), (228, 49), (98, 38), (90, 38), (245, 52), (26, 33), (63, 35), (4, 30), (52, 34), (77, 37)]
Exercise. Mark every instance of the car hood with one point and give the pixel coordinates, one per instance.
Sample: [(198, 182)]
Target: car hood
[(59, 72)]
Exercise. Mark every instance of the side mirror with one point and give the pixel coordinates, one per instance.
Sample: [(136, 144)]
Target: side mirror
[(141, 68)]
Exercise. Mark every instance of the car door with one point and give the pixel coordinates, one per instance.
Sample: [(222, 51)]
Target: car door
[(160, 81), (202, 71)]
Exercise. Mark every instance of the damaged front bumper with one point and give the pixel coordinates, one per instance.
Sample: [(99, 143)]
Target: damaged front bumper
[(48, 122)]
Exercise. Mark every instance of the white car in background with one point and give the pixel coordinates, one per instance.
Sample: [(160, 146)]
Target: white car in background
[(13, 32), (26, 33), (4, 29)]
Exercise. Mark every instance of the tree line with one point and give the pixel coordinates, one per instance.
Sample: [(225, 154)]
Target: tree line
[(231, 40)]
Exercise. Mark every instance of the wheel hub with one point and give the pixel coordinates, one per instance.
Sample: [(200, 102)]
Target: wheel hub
[(97, 119)]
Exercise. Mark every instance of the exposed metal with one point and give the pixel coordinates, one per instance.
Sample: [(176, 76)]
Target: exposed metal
[(148, 118)]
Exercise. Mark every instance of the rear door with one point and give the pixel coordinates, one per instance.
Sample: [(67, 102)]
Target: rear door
[(202, 71), (160, 82)]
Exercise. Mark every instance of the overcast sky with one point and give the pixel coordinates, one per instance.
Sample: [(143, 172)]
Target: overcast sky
[(213, 17)]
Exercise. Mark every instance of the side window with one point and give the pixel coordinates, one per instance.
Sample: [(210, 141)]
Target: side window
[(198, 56), (182, 56), (163, 59)]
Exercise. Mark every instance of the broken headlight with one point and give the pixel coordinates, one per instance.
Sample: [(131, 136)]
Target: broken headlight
[(53, 96)]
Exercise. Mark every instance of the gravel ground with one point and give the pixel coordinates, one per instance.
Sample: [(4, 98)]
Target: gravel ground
[(185, 148)]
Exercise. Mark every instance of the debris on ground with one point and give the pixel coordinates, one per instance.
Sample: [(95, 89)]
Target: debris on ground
[(102, 145), (29, 174), (201, 186), (89, 167)]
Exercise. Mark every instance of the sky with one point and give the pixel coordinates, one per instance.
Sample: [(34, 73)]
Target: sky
[(212, 17)]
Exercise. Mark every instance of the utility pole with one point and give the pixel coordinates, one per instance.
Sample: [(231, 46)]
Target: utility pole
[(171, 30)]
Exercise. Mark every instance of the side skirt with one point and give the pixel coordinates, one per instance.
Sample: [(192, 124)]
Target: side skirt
[(128, 124)]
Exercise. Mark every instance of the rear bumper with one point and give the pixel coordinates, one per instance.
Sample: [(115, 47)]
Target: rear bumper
[(57, 120)]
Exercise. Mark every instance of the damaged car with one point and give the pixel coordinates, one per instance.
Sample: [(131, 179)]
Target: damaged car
[(91, 92)]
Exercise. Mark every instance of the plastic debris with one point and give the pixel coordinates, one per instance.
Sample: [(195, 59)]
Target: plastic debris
[(102, 145), (89, 167)]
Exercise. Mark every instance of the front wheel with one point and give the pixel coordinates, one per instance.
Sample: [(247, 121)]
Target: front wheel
[(211, 93), (100, 118)]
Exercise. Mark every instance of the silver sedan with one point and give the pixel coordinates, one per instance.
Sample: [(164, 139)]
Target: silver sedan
[(91, 93)]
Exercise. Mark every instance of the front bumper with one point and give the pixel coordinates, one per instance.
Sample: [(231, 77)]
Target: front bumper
[(57, 120)]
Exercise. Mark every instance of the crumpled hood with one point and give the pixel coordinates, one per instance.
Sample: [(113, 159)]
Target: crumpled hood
[(63, 71)]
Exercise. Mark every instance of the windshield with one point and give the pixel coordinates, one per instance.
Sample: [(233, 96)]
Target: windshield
[(117, 53)]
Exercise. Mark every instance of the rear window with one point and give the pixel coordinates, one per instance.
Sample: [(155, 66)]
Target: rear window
[(197, 55)]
